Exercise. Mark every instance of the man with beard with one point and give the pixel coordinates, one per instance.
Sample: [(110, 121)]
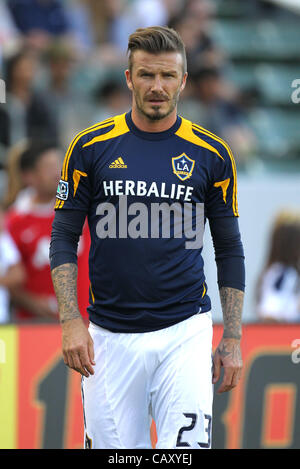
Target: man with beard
[(147, 352)]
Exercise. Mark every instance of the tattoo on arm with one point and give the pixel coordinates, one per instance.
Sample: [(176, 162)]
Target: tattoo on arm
[(64, 279), (233, 352), (232, 305), (222, 350)]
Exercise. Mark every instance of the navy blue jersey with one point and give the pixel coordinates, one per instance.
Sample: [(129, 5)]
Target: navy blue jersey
[(147, 196)]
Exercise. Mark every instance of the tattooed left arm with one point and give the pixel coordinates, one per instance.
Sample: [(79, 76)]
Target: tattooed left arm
[(228, 353)]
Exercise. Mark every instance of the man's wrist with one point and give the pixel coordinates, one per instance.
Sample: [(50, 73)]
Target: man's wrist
[(69, 317), (232, 335)]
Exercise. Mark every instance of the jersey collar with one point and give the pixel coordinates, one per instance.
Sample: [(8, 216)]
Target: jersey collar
[(152, 135)]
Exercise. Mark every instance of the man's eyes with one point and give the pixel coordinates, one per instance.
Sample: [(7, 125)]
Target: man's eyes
[(168, 75)]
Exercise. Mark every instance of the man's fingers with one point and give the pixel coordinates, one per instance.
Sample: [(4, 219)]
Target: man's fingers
[(91, 352), (78, 365), (70, 362), (230, 379), (66, 361), (85, 361), (79, 361), (236, 377)]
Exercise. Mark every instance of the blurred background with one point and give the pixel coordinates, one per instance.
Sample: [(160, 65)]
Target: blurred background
[(62, 68)]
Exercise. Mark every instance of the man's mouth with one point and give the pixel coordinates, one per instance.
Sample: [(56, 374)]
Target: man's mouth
[(156, 101)]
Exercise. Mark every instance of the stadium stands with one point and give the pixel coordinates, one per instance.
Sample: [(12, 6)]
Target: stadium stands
[(262, 46)]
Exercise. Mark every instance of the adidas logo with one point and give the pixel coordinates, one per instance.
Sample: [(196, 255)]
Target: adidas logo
[(119, 163)]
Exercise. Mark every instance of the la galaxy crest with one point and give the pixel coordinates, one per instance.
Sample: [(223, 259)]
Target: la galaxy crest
[(183, 166)]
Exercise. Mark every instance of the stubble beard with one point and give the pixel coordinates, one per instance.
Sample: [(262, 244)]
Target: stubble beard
[(157, 114)]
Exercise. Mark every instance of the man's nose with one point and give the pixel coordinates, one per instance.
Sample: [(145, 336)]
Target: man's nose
[(157, 84)]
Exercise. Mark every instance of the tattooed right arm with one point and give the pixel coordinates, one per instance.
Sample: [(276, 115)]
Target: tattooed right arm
[(228, 353), (77, 344), (64, 279)]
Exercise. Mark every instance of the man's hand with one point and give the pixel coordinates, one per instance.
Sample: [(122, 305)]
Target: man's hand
[(78, 347), (77, 344), (228, 355)]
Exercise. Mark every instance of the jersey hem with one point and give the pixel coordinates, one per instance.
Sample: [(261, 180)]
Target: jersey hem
[(140, 329)]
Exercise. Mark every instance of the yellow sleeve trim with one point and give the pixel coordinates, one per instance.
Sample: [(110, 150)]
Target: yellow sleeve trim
[(120, 128), (93, 297), (204, 290), (224, 186), (76, 178), (218, 139), (185, 131)]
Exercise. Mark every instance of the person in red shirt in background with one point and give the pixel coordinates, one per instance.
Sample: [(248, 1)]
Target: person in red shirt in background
[(29, 221)]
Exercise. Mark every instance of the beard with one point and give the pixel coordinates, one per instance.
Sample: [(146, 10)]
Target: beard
[(156, 114)]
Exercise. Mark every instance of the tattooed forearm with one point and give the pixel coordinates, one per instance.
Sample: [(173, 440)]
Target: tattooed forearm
[(64, 279), (232, 305)]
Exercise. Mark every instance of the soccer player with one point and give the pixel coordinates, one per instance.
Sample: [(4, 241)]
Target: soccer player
[(147, 180)]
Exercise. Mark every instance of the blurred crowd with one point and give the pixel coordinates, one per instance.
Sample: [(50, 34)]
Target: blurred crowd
[(278, 289), (63, 65)]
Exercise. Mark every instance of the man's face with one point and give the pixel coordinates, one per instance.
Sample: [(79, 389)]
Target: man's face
[(24, 70), (156, 81), (46, 174)]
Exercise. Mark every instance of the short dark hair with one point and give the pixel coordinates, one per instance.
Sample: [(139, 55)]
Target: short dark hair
[(156, 39), (35, 150), (107, 89), (206, 73)]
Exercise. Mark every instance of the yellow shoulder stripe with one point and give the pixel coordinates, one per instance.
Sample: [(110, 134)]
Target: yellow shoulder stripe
[(98, 126), (117, 121), (185, 131), (120, 128), (218, 139)]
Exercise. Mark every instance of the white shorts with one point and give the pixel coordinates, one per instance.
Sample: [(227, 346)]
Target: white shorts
[(165, 374)]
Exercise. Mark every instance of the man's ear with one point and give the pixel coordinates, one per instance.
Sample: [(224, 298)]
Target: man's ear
[(128, 79), (183, 83)]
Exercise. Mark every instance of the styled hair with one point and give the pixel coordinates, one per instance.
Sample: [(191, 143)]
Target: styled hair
[(155, 40)]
